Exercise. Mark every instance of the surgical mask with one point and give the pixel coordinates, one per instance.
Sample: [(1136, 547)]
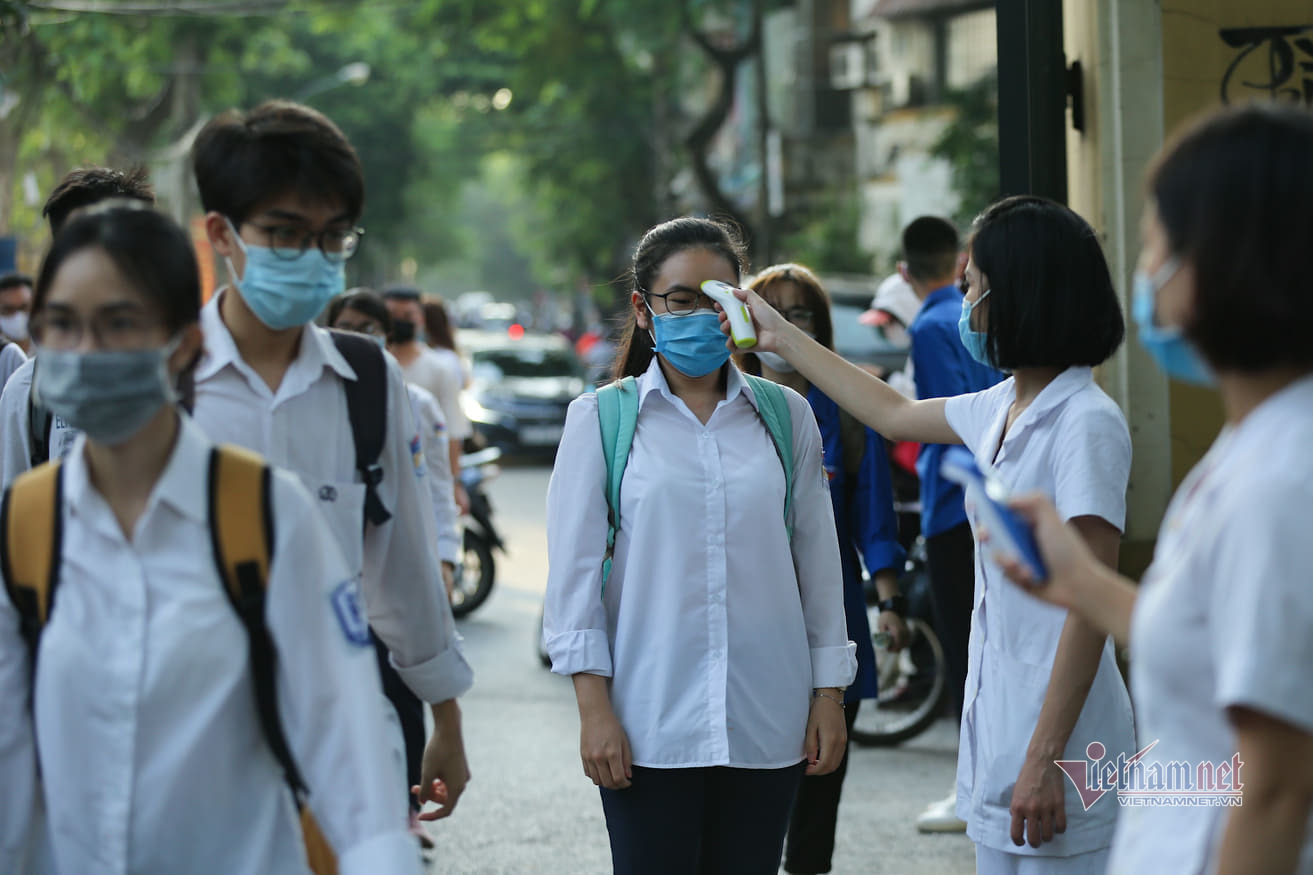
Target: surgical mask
[(14, 326), (1173, 353), (976, 342), (110, 395), (778, 363), (286, 292), (403, 331), (693, 344)]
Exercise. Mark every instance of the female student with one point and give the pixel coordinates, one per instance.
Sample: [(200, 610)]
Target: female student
[(857, 467), (1042, 684), (1221, 629), (710, 663), (140, 711)]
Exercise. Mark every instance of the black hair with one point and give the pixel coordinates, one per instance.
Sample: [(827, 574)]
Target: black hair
[(149, 248), (364, 301), (400, 292), (635, 350), (89, 185), (1231, 192), (14, 280), (1051, 301), (437, 323), (930, 248), (244, 159)]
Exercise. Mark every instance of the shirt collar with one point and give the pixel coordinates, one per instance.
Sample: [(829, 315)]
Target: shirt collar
[(1052, 396), (654, 380), (316, 351)]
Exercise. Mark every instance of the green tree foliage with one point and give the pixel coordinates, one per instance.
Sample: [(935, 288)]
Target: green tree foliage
[(970, 145)]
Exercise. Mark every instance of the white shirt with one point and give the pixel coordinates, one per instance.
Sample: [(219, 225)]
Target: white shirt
[(1072, 444), (151, 753), (11, 359), (15, 445), (304, 427), (437, 463), (713, 628), (441, 373), (1224, 618)]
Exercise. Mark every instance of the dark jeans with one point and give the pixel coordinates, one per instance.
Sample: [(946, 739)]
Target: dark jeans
[(815, 812), (951, 561), (708, 821), (410, 714)]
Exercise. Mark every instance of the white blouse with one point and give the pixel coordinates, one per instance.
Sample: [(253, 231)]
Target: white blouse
[(714, 627)]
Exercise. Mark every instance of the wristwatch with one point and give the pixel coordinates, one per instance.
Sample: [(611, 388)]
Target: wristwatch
[(897, 604)]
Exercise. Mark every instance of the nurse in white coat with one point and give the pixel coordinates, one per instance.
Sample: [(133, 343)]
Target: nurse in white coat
[(1221, 629), (1042, 684)]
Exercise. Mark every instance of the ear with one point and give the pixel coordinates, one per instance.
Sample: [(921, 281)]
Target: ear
[(639, 306), (220, 234), (902, 272), (962, 259), (191, 343)]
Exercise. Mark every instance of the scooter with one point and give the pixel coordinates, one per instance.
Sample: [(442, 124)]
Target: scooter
[(478, 569)]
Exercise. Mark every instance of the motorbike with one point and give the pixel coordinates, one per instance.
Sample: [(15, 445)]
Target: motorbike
[(478, 571)]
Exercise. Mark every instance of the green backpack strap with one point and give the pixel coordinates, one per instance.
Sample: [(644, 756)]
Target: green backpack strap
[(617, 414), (773, 408)]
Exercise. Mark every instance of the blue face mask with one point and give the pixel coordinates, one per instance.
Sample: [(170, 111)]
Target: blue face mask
[(693, 344), (1168, 346), (287, 292), (109, 394), (976, 342)]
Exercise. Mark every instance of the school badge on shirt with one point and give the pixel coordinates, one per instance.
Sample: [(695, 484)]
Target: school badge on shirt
[(417, 456), (346, 605)]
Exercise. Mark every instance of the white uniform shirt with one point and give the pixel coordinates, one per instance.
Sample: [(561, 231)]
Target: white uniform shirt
[(712, 629), (1072, 444), (304, 427), (1224, 618), (437, 463), (151, 752), (441, 373), (15, 429)]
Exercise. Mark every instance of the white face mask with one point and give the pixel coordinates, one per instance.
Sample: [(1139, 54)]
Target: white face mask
[(14, 326), (777, 363)]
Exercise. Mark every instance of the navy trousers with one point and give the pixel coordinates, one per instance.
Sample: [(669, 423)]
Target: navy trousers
[(704, 821)]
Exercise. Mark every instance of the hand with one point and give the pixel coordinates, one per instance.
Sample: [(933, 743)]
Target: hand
[(604, 749), (462, 498), (1038, 812), (895, 627), (827, 734), (1067, 557), (444, 771), (449, 578), (767, 322)]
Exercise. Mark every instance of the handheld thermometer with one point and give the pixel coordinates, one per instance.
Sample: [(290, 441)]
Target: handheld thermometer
[(740, 323), (1009, 535)]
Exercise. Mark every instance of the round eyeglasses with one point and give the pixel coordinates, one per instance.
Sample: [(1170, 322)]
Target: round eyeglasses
[(290, 241)]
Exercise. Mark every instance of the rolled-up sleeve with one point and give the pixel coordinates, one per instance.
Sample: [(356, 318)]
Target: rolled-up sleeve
[(574, 619), (18, 773), (437, 461), (815, 548), (402, 585)]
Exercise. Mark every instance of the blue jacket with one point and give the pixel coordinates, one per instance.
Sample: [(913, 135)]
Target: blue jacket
[(865, 521), (942, 368)]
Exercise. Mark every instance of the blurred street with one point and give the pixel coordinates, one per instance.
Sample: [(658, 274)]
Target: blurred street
[(529, 808)]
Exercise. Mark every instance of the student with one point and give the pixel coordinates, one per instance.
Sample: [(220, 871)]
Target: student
[(29, 434), (712, 663), (15, 310), (139, 713), (1221, 629), (283, 190), (1042, 684), (857, 468)]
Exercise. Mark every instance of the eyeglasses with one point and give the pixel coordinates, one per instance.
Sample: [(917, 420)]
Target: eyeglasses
[(115, 327), (290, 241), (683, 302), (373, 329)]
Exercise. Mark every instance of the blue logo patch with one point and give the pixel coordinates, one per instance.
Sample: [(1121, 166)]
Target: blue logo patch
[(346, 605), (417, 456)]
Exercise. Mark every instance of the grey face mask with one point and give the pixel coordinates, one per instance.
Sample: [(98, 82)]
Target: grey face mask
[(109, 395)]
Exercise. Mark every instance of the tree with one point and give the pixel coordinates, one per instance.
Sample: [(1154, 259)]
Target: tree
[(970, 145)]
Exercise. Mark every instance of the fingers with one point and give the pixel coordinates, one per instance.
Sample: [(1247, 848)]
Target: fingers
[(438, 794), (1018, 832), (616, 771), (812, 747)]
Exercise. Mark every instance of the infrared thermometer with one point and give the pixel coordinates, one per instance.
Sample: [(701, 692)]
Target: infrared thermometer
[(1009, 535), (740, 323)]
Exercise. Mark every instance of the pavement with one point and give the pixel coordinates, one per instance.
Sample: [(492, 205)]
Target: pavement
[(529, 808)]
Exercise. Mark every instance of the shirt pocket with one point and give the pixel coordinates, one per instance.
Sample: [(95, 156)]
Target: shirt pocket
[(342, 506), (1007, 709)]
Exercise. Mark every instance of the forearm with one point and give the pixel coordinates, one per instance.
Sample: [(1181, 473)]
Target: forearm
[(886, 584), (1264, 836), (453, 454), (1074, 668), (592, 692), (1107, 602)]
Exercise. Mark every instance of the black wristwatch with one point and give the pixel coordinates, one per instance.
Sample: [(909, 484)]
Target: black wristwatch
[(897, 604)]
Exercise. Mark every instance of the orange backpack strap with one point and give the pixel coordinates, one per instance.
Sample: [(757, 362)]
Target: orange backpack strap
[(31, 529)]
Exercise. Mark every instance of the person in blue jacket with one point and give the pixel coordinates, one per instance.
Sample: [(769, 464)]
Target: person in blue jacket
[(857, 467)]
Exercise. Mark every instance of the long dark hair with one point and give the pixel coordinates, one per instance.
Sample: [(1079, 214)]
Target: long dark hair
[(634, 354), (437, 323)]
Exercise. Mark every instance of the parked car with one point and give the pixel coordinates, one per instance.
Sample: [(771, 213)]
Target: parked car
[(864, 345), (520, 386)]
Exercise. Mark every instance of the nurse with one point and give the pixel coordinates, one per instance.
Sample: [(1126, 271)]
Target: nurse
[(710, 666), (1221, 629), (1042, 683)]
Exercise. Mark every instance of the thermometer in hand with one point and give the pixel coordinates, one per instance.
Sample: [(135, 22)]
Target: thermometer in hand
[(740, 323)]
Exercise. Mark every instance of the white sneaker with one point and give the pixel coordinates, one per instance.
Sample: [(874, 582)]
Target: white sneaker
[(941, 816)]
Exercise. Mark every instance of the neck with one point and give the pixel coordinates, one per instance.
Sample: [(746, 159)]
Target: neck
[(1242, 393), (260, 346), (126, 473), (407, 352), (1030, 382), (794, 380), (926, 289), (694, 388)]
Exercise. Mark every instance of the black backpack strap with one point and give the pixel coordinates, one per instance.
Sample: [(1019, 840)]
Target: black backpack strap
[(31, 536), (367, 408), (40, 422)]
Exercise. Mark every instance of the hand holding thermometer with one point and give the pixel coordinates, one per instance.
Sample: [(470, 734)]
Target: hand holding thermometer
[(740, 323), (1008, 533)]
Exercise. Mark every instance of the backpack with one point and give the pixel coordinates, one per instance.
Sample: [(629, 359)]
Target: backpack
[(241, 524), (366, 404), (617, 414)]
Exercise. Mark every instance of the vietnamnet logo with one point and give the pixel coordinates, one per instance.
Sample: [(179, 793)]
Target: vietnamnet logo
[(1153, 783)]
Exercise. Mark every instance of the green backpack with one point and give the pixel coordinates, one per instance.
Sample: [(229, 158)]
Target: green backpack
[(617, 413)]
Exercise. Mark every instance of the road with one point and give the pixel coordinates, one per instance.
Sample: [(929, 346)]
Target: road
[(529, 809)]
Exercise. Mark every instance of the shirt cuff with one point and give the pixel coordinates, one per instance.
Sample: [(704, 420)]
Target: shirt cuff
[(885, 554), (834, 666), (389, 852), (440, 678), (449, 549), (582, 650)]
